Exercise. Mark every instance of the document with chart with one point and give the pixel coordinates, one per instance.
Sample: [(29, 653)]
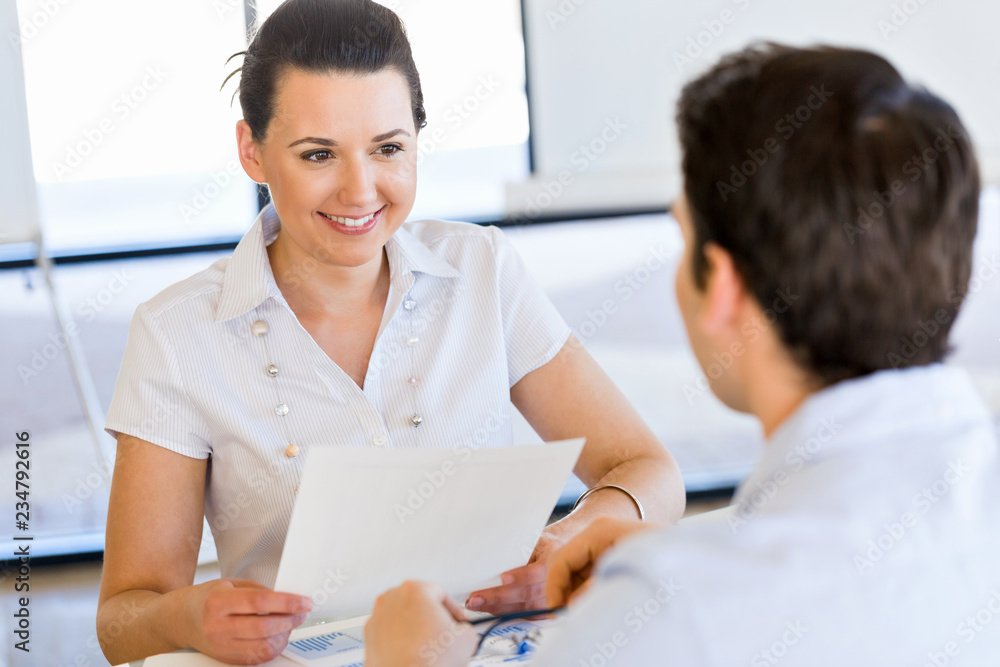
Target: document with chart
[(367, 520), (341, 644)]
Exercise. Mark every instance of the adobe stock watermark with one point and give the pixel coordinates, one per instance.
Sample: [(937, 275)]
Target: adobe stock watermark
[(795, 460), (389, 349), (88, 310), (913, 168), (434, 649), (771, 655), (786, 127), (926, 330), (32, 24), (227, 514), (921, 503), (627, 286), (418, 495), (899, 16), (207, 193), (223, 7), (582, 158), (712, 30), (434, 480), (456, 116), (751, 330), (634, 621), (121, 109), (983, 274), (967, 630), (333, 581), (563, 11), (128, 615)]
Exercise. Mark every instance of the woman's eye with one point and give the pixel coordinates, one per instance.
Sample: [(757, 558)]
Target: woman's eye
[(389, 149), (317, 156)]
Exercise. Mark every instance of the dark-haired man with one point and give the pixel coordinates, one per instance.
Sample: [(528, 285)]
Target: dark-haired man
[(869, 531)]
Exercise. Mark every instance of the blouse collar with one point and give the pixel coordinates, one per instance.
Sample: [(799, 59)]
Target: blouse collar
[(249, 280)]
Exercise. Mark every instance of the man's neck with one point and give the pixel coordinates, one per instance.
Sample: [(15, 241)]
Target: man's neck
[(776, 389)]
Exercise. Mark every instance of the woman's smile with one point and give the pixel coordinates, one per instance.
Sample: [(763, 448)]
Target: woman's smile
[(353, 226)]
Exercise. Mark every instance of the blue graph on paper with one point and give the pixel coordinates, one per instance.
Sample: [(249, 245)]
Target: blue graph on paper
[(323, 646), (507, 644)]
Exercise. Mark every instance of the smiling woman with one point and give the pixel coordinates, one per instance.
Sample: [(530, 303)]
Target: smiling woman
[(346, 193), (335, 323)]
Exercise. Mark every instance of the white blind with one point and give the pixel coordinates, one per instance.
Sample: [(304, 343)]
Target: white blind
[(18, 207)]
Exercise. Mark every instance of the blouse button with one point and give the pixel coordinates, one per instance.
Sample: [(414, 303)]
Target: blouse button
[(412, 340), (259, 328), (416, 420), (281, 409), (379, 439), (272, 370), (291, 451), (409, 304), (414, 381)]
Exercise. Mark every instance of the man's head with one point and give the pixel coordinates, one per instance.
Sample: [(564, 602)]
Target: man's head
[(843, 202)]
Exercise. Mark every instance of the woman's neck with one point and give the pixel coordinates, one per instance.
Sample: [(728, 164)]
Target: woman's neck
[(315, 289)]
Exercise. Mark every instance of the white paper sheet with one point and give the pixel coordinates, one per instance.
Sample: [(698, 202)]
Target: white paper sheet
[(366, 520)]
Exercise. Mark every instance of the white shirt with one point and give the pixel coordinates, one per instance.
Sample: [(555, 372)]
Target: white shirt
[(867, 534), (463, 323)]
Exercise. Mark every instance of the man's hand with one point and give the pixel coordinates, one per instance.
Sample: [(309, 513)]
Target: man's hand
[(570, 567), (418, 625)]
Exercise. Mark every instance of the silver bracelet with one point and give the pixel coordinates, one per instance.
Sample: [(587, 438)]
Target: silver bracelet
[(642, 513)]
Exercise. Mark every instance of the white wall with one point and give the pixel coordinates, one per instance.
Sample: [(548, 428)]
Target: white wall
[(592, 62)]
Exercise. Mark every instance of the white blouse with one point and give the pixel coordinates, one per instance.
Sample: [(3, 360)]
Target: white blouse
[(217, 366)]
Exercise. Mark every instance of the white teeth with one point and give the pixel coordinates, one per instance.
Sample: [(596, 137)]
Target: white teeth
[(349, 222)]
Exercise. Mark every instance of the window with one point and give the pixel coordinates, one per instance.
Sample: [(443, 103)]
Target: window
[(471, 62), (133, 142)]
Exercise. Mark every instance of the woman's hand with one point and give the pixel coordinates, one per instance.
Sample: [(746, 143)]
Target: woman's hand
[(241, 622), (571, 566), (524, 587), (418, 624)]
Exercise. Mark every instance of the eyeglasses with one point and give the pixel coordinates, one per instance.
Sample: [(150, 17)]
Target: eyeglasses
[(520, 642)]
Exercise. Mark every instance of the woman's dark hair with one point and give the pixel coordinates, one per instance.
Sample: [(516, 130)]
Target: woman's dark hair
[(346, 36), (847, 198)]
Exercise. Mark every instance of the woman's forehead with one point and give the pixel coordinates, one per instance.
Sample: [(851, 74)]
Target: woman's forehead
[(345, 103)]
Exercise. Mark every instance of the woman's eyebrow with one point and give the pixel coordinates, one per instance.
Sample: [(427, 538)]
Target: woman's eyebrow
[(389, 135), (314, 140), (331, 143)]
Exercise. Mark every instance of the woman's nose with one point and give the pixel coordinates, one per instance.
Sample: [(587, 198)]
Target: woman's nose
[(357, 184)]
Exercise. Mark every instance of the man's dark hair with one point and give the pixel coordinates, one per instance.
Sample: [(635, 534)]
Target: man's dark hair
[(826, 176), (343, 36)]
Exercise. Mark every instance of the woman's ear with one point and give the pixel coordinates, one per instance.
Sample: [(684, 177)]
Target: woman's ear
[(249, 153), (725, 293)]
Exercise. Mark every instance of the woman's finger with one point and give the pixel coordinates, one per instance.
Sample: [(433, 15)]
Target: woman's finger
[(255, 626)]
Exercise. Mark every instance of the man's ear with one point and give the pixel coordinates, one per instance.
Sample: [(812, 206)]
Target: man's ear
[(249, 153), (725, 292)]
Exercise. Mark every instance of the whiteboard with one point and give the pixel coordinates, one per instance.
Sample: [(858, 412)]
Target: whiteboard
[(595, 62), (18, 203)]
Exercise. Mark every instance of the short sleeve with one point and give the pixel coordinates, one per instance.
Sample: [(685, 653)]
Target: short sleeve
[(150, 401), (533, 329)]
